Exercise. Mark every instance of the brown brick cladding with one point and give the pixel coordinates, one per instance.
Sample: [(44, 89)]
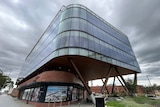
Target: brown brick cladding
[(54, 76)]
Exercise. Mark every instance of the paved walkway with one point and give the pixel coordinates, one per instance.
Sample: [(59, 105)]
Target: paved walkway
[(8, 101)]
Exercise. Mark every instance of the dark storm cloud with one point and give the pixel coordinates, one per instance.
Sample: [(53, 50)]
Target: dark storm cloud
[(140, 20), (21, 25)]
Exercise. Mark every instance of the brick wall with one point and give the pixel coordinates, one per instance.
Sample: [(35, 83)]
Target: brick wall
[(54, 76), (118, 89)]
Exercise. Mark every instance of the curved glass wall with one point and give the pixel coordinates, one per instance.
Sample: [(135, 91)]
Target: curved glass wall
[(78, 31)]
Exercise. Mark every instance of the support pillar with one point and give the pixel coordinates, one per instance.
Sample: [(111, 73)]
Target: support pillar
[(106, 80), (81, 77), (125, 88), (122, 80), (113, 85), (105, 87), (135, 81)]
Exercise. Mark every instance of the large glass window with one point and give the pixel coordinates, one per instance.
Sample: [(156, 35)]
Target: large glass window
[(75, 24), (83, 52), (65, 25), (63, 51), (90, 28), (91, 43), (83, 14), (36, 94), (56, 94), (83, 25), (91, 54), (73, 51), (97, 45), (74, 94), (65, 39), (83, 40), (76, 12), (74, 38), (67, 13), (26, 94)]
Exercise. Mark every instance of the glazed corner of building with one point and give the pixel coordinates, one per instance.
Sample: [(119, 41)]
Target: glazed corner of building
[(81, 46)]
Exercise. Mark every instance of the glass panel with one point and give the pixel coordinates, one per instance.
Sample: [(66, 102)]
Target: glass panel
[(73, 51), (104, 59), (92, 54), (83, 14), (83, 25), (63, 51), (97, 45), (75, 23), (98, 56), (57, 41), (83, 40), (65, 39), (83, 52), (66, 25), (76, 12), (90, 28), (36, 94), (56, 94), (67, 13), (91, 42), (74, 38)]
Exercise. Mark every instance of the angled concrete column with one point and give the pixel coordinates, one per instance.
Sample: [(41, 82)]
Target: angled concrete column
[(119, 74), (125, 88), (106, 79), (105, 87), (81, 77)]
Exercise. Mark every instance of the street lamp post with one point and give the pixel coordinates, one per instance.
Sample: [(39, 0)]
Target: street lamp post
[(151, 85)]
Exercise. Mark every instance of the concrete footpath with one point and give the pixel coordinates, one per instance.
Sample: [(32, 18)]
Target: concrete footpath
[(8, 101)]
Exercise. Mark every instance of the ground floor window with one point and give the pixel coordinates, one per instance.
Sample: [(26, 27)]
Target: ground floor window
[(52, 93), (63, 93), (31, 94), (56, 94), (35, 94)]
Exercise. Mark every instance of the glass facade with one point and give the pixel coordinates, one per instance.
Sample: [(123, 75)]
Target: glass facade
[(79, 31)]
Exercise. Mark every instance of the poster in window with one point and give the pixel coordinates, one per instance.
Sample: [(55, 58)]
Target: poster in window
[(26, 94), (74, 94), (80, 94), (31, 93), (36, 94), (56, 94)]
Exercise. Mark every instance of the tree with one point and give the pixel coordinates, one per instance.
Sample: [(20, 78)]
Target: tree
[(2, 80), (5, 81), (131, 87), (18, 80)]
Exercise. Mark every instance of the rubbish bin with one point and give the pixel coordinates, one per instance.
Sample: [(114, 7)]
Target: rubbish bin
[(100, 102)]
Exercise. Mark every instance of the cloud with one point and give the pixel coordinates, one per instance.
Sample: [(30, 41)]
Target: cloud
[(141, 18), (23, 22)]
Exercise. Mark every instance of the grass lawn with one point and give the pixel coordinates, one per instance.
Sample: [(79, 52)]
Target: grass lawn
[(139, 101)]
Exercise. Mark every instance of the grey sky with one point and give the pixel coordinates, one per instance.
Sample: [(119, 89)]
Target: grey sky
[(23, 21)]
